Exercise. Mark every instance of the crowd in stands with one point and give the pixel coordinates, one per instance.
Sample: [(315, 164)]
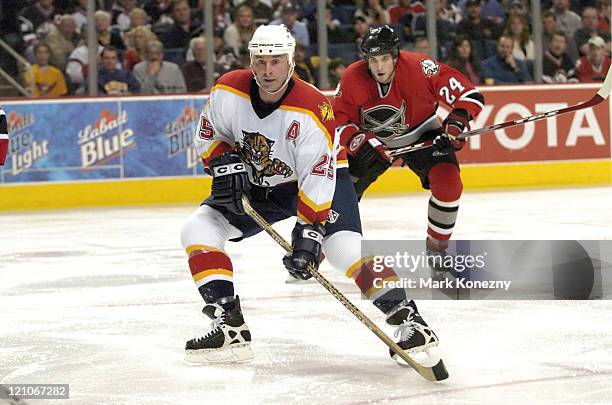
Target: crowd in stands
[(158, 46)]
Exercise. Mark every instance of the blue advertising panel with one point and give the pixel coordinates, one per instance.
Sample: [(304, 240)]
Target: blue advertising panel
[(101, 139)]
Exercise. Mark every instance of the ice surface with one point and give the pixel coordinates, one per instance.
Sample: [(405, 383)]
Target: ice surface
[(102, 299)]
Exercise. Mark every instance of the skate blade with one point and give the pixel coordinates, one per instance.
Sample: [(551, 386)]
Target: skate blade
[(236, 353), (427, 357), (292, 280)]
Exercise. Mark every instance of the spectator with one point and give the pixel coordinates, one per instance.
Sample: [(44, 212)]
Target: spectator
[(398, 10), (361, 27), (121, 14), (115, 81), (106, 37), (336, 68), (36, 20), (462, 58), (77, 67), (518, 7), (139, 18), (221, 16), (589, 29), (10, 32), (62, 40), (183, 29), (491, 10), (594, 66), (558, 65), (503, 67), (298, 29), (195, 71), (448, 12), (48, 80), (136, 41), (603, 9), (159, 12), (156, 75), (373, 12), (567, 20), (80, 15), (421, 45), (262, 12), (239, 33), (335, 35), (519, 32), (303, 66), (479, 30), (225, 59), (549, 25)]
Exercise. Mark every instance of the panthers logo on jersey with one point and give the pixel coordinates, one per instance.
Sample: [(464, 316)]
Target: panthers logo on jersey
[(256, 151)]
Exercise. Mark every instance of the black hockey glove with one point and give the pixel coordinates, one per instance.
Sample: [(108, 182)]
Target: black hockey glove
[(455, 123), (230, 181), (368, 154), (307, 240)]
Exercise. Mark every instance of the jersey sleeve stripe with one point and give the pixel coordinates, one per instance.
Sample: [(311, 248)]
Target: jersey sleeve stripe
[(310, 214), (216, 148), (466, 97), (231, 90), (192, 248), (329, 138)]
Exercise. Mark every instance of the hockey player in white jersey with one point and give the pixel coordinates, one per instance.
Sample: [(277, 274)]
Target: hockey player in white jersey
[(271, 137)]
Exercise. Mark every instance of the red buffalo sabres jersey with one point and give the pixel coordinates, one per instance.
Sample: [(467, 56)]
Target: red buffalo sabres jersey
[(407, 109), (291, 141)]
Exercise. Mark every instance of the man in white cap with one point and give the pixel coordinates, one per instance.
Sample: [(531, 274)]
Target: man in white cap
[(272, 138), (594, 66)]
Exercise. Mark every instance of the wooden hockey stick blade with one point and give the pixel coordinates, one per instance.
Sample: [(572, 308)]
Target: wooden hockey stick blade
[(600, 96), (435, 373)]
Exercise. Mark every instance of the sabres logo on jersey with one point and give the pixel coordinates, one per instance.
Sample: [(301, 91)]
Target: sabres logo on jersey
[(326, 111), (256, 151), (430, 68), (386, 121)]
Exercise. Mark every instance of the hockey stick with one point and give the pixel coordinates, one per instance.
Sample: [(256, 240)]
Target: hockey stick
[(435, 373), (600, 96)]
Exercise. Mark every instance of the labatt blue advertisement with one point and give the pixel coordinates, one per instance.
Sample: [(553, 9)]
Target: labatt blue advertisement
[(90, 139)]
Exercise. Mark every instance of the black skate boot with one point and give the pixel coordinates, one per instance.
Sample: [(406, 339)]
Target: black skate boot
[(228, 339), (415, 336)]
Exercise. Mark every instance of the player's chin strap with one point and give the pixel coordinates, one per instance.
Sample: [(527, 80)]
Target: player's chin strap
[(291, 68), (435, 373)]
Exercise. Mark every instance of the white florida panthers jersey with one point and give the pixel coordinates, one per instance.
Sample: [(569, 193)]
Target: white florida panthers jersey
[(293, 141)]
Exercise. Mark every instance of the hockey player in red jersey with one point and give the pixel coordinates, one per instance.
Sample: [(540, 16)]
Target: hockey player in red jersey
[(4, 141), (388, 101), (272, 138)]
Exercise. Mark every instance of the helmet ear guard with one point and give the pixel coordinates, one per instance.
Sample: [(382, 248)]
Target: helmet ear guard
[(380, 40)]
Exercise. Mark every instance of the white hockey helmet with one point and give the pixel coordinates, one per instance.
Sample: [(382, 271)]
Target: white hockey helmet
[(272, 40)]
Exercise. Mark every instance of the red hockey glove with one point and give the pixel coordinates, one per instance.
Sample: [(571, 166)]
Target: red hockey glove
[(367, 153), (455, 123)]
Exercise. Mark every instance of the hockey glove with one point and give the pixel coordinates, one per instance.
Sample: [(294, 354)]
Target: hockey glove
[(455, 123), (368, 154), (230, 181), (307, 240)]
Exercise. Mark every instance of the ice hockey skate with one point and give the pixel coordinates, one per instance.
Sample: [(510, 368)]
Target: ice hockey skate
[(415, 336), (228, 339)]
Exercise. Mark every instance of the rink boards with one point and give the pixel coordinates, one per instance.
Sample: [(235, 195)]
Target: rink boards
[(138, 150)]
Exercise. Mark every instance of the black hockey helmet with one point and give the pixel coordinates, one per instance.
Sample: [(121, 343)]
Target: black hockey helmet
[(380, 40)]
